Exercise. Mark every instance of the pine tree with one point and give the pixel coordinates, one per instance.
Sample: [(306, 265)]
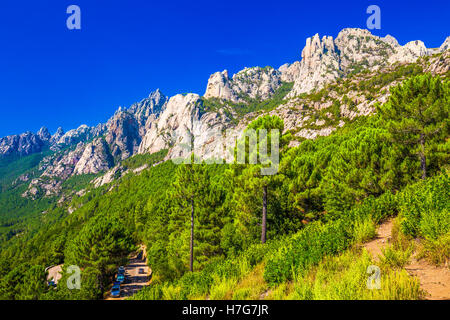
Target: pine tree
[(190, 182), (252, 182), (417, 111)]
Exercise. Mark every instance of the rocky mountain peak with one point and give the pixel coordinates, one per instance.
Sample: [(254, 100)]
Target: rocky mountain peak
[(174, 124), (152, 105), (22, 144), (255, 83), (315, 47), (71, 137), (57, 135), (44, 135), (445, 45), (219, 87), (319, 64), (95, 158), (391, 40), (324, 60), (123, 135)]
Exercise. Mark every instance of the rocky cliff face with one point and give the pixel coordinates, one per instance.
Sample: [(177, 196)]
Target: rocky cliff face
[(146, 111), (324, 60), (253, 83), (24, 144), (158, 122), (319, 65), (183, 122), (91, 150), (56, 136), (445, 46), (95, 158), (126, 128), (123, 135), (82, 134)]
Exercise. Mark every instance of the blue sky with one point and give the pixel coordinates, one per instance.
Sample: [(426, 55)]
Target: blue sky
[(53, 76)]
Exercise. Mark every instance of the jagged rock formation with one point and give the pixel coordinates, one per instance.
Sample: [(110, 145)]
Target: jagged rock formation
[(146, 111), (254, 83), (44, 135), (122, 136), (324, 60), (126, 128), (445, 46), (82, 134), (182, 122), (319, 65), (157, 122), (95, 158), (57, 136), (24, 144)]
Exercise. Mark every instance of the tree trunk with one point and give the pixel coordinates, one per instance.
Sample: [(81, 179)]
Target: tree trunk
[(191, 246), (264, 216), (423, 160)]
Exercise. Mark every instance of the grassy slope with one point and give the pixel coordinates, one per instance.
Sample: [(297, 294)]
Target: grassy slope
[(317, 273)]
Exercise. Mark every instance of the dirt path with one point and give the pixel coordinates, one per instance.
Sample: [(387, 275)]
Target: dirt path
[(382, 239), (55, 273), (435, 281), (135, 279)]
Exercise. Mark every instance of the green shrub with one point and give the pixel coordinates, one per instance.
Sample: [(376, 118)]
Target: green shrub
[(345, 277), (424, 208), (364, 230)]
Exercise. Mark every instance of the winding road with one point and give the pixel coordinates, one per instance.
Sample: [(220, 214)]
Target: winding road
[(135, 280)]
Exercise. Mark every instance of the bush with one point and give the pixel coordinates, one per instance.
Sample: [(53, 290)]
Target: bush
[(344, 277), (307, 248), (424, 208)]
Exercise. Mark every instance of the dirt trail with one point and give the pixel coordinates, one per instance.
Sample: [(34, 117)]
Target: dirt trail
[(55, 273), (135, 280), (382, 239), (435, 281)]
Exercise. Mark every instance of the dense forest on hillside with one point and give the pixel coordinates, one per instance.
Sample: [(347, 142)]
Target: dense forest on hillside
[(327, 198)]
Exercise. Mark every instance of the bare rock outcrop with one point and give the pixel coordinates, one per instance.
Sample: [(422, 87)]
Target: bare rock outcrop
[(324, 60), (253, 83), (22, 144), (445, 46), (95, 158)]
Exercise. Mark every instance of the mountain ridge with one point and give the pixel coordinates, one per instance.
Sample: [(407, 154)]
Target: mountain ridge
[(159, 122)]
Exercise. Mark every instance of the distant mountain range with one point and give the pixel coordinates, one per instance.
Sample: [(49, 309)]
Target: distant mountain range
[(294, 92)]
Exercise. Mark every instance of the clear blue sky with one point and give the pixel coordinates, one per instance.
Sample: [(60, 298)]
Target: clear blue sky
[(53, 76)]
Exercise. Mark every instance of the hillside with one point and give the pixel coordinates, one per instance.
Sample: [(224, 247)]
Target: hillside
[(364, 126)]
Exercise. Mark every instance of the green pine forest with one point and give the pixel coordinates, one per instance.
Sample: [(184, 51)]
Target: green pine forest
[(294, 235)]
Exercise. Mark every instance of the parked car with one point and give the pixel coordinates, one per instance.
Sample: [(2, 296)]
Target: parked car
[(141, 271), (115, 291), (121, 270), (120, 278)]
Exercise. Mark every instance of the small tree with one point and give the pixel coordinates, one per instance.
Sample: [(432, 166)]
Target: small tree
[(188, 186), (251, 180), (417, 111)]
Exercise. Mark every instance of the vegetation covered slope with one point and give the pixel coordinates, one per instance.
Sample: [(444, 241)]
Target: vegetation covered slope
[(326, 198)]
